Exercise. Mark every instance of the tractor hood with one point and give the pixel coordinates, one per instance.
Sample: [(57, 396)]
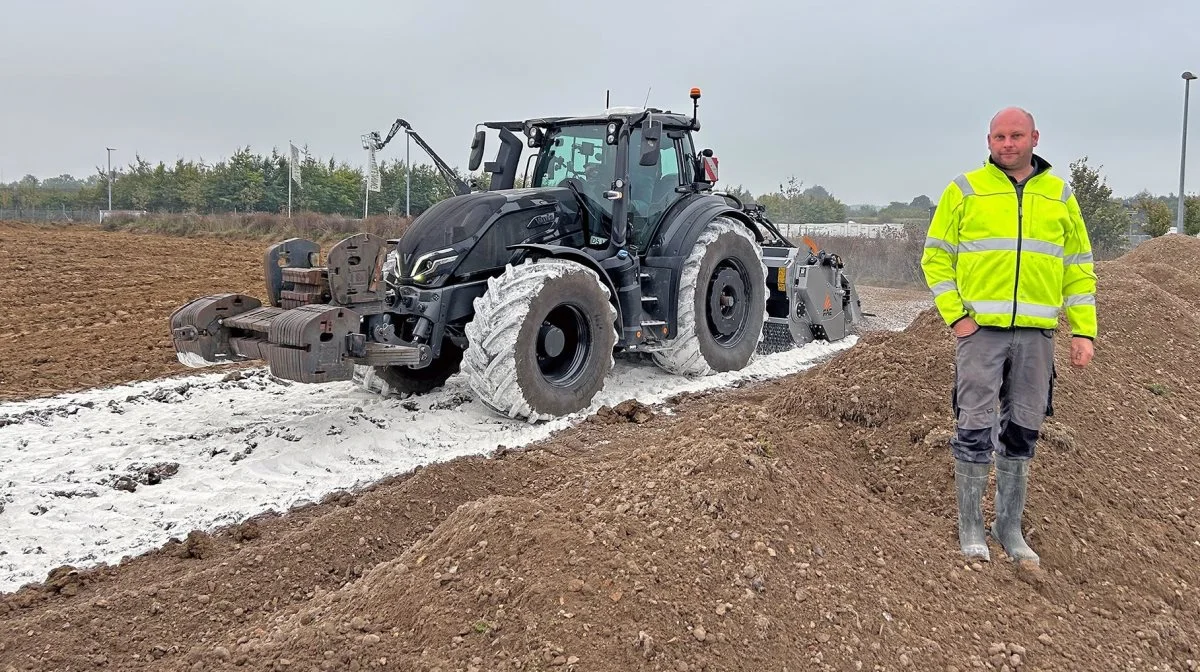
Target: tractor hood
[(477, 228)]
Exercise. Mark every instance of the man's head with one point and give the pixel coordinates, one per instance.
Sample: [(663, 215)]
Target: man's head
[(1012, 137)]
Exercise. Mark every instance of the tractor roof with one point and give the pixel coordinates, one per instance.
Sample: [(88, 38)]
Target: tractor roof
[(669, 119)]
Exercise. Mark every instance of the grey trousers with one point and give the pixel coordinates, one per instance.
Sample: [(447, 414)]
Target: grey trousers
[(1009, 369)]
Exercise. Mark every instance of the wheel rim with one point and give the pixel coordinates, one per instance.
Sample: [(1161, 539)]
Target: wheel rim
[(563, 343), (728, 302)]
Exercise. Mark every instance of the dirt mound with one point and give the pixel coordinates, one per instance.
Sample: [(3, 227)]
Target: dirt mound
[(803, 523), (1182, 251)]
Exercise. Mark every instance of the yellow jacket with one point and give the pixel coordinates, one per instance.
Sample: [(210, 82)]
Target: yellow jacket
[(1011, 255)]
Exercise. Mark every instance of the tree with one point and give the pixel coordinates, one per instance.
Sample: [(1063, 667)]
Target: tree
[(1105, 219), (741, 193), (1158, 215), (1191, 215), (922, 202), (796, 205)]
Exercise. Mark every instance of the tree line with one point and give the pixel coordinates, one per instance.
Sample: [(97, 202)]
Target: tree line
[(245, 182), (1109, 219)]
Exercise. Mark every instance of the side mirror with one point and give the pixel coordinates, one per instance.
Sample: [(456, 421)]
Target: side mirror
[(651, 135), (477, 149)]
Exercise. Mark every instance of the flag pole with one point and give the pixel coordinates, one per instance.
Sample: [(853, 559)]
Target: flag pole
[(289, 179)]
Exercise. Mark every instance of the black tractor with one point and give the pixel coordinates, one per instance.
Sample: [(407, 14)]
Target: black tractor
[(619, 243)]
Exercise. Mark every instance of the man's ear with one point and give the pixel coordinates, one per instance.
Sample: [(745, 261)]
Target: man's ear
[(1034, 135)]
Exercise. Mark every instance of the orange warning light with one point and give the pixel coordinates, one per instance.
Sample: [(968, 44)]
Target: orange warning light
[(695, 92)]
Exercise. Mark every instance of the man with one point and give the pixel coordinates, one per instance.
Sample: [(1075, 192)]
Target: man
[(1007, 251)]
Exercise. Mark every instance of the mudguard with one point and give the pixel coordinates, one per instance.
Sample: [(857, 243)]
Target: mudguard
[(682, 228), (578, 256)]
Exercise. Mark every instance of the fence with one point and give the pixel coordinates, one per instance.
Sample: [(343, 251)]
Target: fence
[(843, 229), (50, 215)]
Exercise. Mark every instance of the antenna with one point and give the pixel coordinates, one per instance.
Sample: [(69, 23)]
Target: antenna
[(647, 103), (606, 98)]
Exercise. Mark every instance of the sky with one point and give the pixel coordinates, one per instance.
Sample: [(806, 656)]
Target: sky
[(876, 100)]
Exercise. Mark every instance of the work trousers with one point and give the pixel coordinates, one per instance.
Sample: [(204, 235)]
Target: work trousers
[(1012, 369)]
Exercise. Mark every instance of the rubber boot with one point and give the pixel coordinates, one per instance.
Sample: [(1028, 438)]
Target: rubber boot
[(971, 479), (1012, 484)]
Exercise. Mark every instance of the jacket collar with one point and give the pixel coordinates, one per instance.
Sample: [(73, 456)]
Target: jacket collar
[(1040, 166)]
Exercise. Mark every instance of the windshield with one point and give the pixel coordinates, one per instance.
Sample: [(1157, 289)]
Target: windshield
[(575, 157), (578, 153)]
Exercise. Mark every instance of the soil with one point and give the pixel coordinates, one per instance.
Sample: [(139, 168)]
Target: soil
[(802, 523), (86, 308)]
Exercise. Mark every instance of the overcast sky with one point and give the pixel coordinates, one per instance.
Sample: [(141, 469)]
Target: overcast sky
[(877, 100)]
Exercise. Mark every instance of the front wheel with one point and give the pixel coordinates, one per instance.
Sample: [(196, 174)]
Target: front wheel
[(722, 303), (541, 340)]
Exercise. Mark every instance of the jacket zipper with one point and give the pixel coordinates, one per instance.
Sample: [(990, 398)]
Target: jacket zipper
[(1017, 279)]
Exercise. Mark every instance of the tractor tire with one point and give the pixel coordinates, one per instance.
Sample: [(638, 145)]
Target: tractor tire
[(725, 266), (404, 381), (541, 340)]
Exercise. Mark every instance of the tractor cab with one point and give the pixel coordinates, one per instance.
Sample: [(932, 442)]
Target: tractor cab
[(626, 167)]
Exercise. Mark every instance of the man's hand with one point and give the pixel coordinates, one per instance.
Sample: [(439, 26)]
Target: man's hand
[(1081, 351), (965, 327)]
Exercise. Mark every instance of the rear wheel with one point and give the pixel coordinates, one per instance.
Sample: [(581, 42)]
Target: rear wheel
[(541, 340), (722, 303)]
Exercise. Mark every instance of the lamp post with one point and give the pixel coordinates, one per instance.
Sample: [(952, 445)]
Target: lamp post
[(1187, 82), (110, 151), (407, 173)]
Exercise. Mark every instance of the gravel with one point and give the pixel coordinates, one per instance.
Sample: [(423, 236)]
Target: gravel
[(892, 308)]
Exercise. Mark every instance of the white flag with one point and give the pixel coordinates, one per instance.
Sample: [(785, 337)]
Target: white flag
[(294, 168), (373, 178)]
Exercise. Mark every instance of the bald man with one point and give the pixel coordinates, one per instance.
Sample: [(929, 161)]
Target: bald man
[(1007, 252)]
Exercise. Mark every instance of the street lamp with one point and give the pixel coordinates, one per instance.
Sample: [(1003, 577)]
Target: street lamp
[(110, 151), (1187, 83)]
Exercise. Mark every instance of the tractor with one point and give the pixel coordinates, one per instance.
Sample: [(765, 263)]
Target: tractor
[(618, 243)]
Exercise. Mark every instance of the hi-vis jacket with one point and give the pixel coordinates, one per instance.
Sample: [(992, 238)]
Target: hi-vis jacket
[(1011, 255)]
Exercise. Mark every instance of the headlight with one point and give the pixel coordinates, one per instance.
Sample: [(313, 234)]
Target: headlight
[(428, 264)]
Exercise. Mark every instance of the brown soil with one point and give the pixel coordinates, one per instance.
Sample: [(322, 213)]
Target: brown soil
[(804, 523), (85, 308)]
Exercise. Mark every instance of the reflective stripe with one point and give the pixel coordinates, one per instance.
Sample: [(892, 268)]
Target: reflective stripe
[(1042, 247), (1010, 245), (940, 244), (964, 185), (1080, 300), (1005, 307), (943, 287), (1081, 258), (989, 245), (1066, 193)]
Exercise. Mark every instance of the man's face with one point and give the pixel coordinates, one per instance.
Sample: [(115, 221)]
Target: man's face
[(1011, 140)]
